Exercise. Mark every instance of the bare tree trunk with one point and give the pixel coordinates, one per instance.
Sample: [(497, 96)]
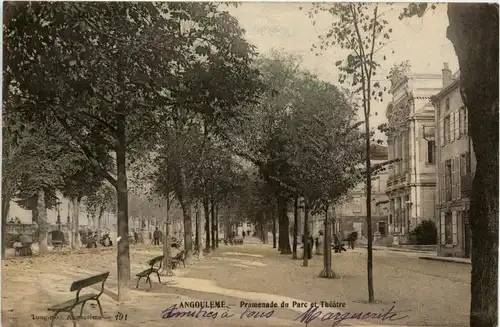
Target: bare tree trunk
[(99, 220), (123, 249), (295, 226), (473, 31), (217, 225), (284, 232), (274, 230), (188, 226), (306, 235), (206, 208), (34, 218), (327, 255), (265, 229), (43, 224), (371, 296), (76, 223), (167, 268), (214, 227), (69, 223), (199, 245)]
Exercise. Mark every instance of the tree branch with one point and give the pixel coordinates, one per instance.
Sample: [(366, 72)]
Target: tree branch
[(93, 160)]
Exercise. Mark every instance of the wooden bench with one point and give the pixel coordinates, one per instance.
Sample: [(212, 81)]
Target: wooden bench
[(152, 269), (69, 305), (238, 240), (180, 257)]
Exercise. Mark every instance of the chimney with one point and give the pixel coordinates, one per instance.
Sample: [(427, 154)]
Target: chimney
[(446, 75)]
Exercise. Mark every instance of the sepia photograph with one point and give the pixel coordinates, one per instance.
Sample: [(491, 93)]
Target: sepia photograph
[(244, 164)]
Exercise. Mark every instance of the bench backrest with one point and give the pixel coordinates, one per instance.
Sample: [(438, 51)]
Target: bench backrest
[(154, 261), (79, 284)]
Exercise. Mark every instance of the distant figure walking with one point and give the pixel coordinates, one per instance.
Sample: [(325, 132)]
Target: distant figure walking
[(156, 236), (352, 238), (337, 244)]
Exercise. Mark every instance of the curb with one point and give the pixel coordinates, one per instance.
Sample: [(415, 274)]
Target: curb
[(398, 250), (445, 259)]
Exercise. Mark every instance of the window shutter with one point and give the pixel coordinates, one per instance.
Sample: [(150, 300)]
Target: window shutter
[(443, 183), (453, 125), (441, 132), (466, 121), (456, 124), (459, 178), (453, 179), (443, 229), (454, 226)]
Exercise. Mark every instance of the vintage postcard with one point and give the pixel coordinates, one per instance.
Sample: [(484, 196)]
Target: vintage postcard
[(249, 164)]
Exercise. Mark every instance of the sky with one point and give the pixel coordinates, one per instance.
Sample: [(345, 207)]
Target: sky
[(279, 25)]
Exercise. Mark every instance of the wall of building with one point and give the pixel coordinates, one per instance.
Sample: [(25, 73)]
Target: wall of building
[(453, 226), (411, 182)]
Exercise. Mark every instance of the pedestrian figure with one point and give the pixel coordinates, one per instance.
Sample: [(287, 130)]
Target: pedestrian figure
[(136, 237), (337, 244), (156, 236), (243, 234), (352, 238)]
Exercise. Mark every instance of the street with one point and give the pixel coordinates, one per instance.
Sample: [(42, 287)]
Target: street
[(423, 292)]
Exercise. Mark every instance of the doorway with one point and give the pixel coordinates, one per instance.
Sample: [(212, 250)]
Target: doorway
[(382, 228)]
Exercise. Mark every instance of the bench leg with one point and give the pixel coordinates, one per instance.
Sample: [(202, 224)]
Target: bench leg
[(72, 317), (100, 308), (149, 280), (53, 318), (81, 309), (138, 280), (159, 280)]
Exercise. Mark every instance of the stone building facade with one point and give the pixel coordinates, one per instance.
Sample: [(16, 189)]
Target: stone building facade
[(411, 184), (455, 168), (351, 215)]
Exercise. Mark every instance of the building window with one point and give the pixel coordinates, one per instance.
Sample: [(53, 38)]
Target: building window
[(447, 104), (462, 118), (390, 219), (448, 228), (447, 130), (447, 182), (463, 164), (431, 147)]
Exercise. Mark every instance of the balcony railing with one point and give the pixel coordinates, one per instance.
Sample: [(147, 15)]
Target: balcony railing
[(466, 184)]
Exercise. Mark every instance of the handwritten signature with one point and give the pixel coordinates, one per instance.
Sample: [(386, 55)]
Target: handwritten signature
[(174, 312), (337, 317)]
